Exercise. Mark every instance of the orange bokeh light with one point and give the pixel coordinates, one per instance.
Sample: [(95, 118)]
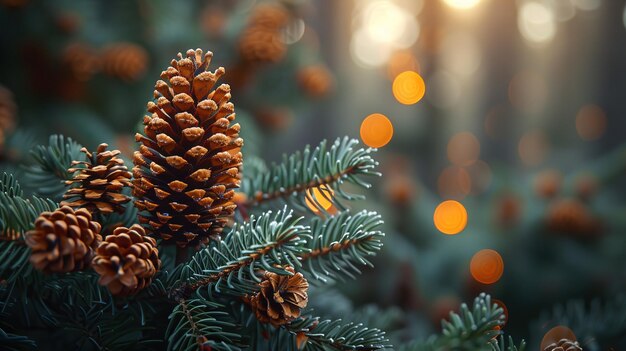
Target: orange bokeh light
[(487, 266), (590, 122), (408, 88), (450, 217), (319, 197), (376, 130), (463, 149)]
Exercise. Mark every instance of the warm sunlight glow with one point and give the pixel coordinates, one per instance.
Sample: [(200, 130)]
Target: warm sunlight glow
[(408, 88), (487, 266), (450, 217), (376, 130), (536, 22), (462, 4)]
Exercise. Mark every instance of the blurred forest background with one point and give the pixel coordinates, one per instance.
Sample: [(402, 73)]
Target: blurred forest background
[(522, 122)]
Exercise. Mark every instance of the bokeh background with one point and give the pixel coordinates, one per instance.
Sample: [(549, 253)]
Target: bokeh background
[(522, 122)]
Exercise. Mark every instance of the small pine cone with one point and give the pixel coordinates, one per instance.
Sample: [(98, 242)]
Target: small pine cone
[(564, 345), (63, 240), (79, 61), (187, 167), (269, 16), (127, 260), (280, 299), (261, 45), (8, 112), (126, 61), (316, 81), (99, 183)]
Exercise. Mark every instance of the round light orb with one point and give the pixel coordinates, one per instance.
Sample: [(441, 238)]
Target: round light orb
[(376, 130), (450, 217), (408, 88)]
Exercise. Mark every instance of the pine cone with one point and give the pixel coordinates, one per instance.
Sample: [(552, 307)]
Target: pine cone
[(188, 164), (564, 345), (572, 217), (79, 61), (316, 81), (7, 113), (63, 240), (126, 61), (270, 16), (127, 260), (261, 45), (99, 182), (261, 41), (281, 298)]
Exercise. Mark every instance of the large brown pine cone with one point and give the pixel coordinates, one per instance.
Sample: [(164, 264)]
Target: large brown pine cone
[(7, 113), (564, 345), (99, 183), (126, 61), (187, 167), (63, 240), (127, 260), (281, 298)]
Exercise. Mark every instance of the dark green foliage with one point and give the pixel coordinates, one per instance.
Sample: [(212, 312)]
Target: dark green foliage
[(198, 321), (292, 179), (501, 345), (12, 342), (50, 171), (471, 329), (230, 266), (18, 213), (336, 335), (591, 323)]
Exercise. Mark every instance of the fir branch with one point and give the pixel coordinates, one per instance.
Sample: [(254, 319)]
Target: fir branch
[(12, 342), (17, 213), (340, 243), (301, 172), (334, 335), (50, 171), (469, 330), (231, 265), (591, 323), (500, 344), (197, 322)]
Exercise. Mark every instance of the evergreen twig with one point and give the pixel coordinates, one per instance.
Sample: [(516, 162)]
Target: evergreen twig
[(328, 167)]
